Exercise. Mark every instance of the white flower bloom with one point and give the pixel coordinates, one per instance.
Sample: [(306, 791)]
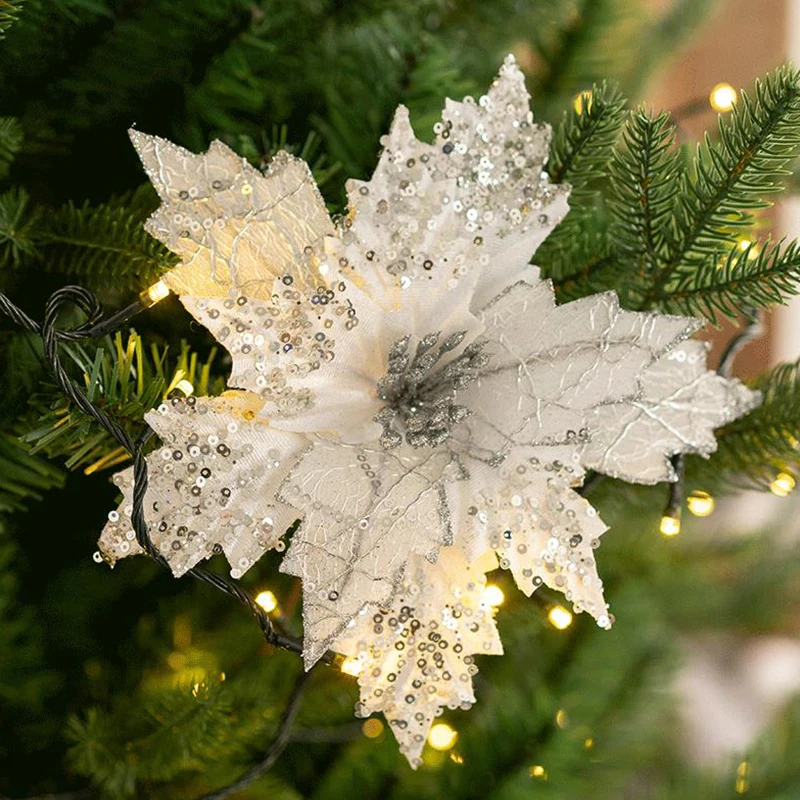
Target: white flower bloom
[(411, 390)]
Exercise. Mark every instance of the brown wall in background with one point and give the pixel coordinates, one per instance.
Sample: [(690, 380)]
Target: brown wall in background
[(743, 40)]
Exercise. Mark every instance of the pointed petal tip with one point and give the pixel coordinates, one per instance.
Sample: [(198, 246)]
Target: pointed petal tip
[(137, 137), (401, 123), (311, 655)]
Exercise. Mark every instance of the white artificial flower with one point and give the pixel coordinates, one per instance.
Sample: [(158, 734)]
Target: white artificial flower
[(409, 388)]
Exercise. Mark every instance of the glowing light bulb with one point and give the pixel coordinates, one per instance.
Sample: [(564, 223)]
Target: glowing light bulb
[(538, 771), (493, 596), (582, 101), (185, 387), (783, 484), (442, 736), (559, 617), (722, 97), (670, 526), (267, 601), (155, 293), (352, 666), (372, 728), (701, 504), (742, 777)]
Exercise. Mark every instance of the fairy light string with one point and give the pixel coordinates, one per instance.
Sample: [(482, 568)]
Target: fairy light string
[(94, 327)]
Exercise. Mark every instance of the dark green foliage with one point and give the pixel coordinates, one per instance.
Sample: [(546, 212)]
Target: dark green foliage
[(665, 230), (97, 245), (646, 176), (731, 178), (125, 379), (582, 142), (9, 13), (25, 681), (18, 222), (10, 143), (754, 277), (580, 151), (23, 477)]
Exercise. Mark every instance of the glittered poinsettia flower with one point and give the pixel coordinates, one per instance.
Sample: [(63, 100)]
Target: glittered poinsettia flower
[(411, 390)]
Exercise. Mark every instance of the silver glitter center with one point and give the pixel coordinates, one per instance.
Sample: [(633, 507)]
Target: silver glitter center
[(420, 392)]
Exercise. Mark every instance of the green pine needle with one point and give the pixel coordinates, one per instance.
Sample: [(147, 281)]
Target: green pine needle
[(99, 244), (23, 476), (10, 143), (730, 179), (645, 179), (756, 277), (123, 379), (19, 220), (580, 149), (9, 13)]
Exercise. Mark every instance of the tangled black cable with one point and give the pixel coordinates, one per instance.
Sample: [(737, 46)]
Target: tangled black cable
[(96, 326)]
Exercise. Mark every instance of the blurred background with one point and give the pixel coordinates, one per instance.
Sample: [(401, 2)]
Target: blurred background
[(131, 684), (731, 689)]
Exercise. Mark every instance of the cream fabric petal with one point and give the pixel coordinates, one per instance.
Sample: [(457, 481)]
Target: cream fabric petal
[(681, 404), (416, 655), (235, 228), (211, 486), (476, 202), (367, 511), (526, 512), (551, 366)]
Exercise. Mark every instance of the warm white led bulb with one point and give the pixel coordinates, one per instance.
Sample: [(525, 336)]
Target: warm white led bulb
[(722, 97), (267, 601), (559, 617), (442, 736), (670, 526), (155, 293), (783, 484), (701, 504), (352, 666), (493, 596)]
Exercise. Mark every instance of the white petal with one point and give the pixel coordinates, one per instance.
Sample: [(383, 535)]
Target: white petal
[(417, 652), (540, 529), (680, 405), (235, 228), (476, 202), (551, 366), (211, 486), (367, 512)]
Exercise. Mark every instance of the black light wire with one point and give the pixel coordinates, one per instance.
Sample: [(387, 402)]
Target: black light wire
[(95, 327)]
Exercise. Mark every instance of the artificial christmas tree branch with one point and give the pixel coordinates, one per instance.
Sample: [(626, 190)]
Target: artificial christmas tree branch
[(282, 738)]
